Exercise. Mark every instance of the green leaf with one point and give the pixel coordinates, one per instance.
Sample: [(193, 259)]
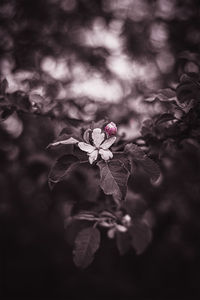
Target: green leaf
[(141, 236), (61, 168), (147, 164), (86, 244), (114, 176)]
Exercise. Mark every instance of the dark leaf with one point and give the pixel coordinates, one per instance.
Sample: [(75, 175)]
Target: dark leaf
[(99, 124), (68, 136), (135, 205), (3, 102), (151, 168), (189, 77), (65, 139), (135, 151), (86, 244), (123, 159), (20, 100), (188, 89), (123, 242), (73, 122), (164, 118), (147, 128), (151, 98), (36, 98), (5, 113), (61, 168), (162, 95), (71, 130), (147, 164), (86, 215), (3, 87), (169, 93), (114, 176), (37, 101), (73, 226), (81, 155), (141, 236)]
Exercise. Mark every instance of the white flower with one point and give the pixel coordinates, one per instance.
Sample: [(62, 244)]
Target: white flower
[(126, 222), (112, 231), (99, 146)]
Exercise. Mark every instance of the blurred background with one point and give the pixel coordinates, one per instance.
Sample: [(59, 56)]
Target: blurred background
[(87, 60)]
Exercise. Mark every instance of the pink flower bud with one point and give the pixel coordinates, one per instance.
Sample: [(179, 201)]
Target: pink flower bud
[(111, 129)]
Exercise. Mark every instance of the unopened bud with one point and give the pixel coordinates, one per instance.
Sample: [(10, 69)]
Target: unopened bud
[(111, 128)]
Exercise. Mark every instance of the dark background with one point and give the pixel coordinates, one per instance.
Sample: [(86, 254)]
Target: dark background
[(35, 258)]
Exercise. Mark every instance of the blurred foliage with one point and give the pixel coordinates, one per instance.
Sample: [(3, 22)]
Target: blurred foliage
[(72, 62)]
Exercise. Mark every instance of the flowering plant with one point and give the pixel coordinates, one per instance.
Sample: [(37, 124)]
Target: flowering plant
[(114, 213), (106, 202)]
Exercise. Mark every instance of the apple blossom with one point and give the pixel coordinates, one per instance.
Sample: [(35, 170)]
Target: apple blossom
[(99, 145), (95, 142)]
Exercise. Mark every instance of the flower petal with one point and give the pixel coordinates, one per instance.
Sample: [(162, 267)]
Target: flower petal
[(86, 147), (97, 136), (111, 233), (121, 228), (93, 156), (105, 154), (105, 145), (86, 136)]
